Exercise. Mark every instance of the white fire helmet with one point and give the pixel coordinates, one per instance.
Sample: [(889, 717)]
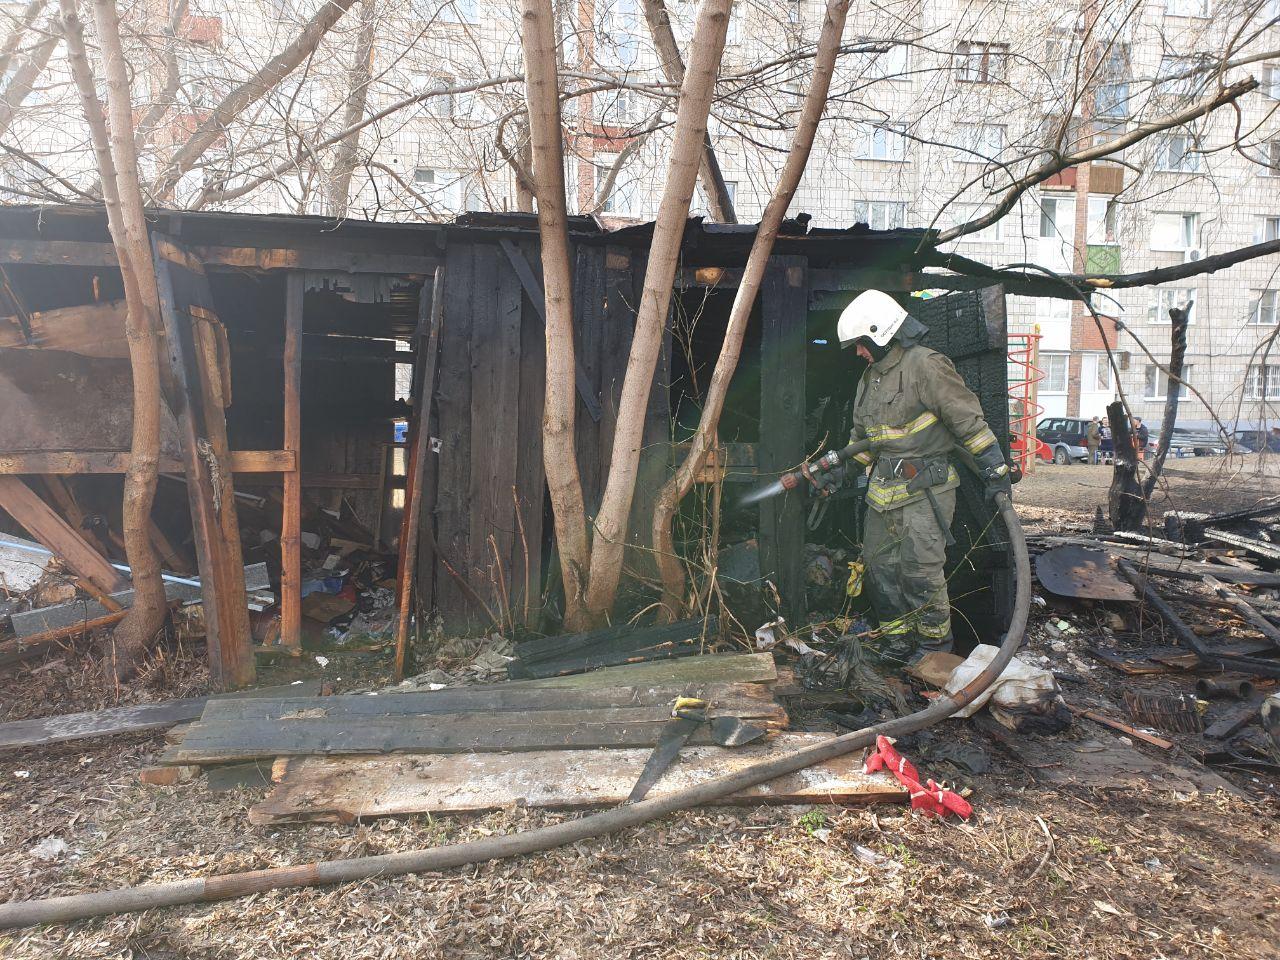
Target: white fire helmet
[(874, 315)]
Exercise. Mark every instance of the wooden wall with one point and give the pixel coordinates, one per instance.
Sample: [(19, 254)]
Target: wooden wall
[(488, 418)]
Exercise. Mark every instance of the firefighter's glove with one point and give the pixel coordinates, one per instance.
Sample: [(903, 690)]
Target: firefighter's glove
[(995, 472), (827, 482)]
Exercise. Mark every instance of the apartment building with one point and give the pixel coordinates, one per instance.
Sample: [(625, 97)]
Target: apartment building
[(936, 107)]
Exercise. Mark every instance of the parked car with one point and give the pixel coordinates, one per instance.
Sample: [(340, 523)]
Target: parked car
[(1064, 439), (1256, 441), (1189, 442)]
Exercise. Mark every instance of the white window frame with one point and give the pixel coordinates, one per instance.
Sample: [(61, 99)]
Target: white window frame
[(445, 185), (982, 61), (881, 214), (1271, 168), (1048, 360), (442, 107), (892, 139), (459, 11), (1197, 9), (1106, 222), (982, 142), (1188, 230), (1177, 153), (893, 64), (1262, 378), (1268, 228), (1156, 382), (1057, 218), (1262, 304), (1165, 297), (1270, 86)]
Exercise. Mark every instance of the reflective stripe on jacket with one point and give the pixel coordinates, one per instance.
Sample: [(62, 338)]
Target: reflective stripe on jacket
[(913, 405)]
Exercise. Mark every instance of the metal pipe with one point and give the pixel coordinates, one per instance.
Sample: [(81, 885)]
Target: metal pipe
[(198, 890)]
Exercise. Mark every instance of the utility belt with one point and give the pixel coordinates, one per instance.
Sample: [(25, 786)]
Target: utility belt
[(918, 472)]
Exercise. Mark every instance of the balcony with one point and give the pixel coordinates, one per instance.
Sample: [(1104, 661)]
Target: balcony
[(1103, 178)]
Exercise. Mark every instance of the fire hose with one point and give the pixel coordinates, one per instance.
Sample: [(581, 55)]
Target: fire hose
[(230, 886)]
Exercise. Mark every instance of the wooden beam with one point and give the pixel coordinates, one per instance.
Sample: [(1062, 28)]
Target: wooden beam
[(344, 789), (43, 523), (210, 491), (338, 256), (91, 330), (430, 316), (291, 524), (66, 462), (533, 290)]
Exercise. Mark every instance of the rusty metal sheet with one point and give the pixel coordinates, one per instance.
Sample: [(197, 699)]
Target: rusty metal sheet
[(53, 400), (1075, 571)]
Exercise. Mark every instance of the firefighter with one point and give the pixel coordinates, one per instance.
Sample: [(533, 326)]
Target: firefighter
[(915, 409)]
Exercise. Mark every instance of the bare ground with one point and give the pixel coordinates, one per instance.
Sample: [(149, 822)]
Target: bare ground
[(1082, 845)]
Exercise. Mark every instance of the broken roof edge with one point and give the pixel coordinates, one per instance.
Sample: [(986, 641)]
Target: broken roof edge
[(715, 243)]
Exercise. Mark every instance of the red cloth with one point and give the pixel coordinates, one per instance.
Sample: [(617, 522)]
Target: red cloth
[(930, 798)]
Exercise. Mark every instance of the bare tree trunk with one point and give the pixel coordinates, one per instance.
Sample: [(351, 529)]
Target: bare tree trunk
[(248, 93), (669, 564), (563, 481), (172, 78), (609, 542), (129, 234), (22, 25), (664, 39), (344, 161), (1126, 505), (1179, 317), (24, 78)]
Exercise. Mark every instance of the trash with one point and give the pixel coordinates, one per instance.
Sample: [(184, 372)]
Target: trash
[(50, 848), (323, 661), (769, 635), (1023, 698)]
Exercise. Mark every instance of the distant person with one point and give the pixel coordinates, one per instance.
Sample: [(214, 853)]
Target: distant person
[(1141, 435), (1093, 440)]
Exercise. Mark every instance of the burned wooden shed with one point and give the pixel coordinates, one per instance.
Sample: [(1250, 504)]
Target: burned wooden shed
[(296, 327)]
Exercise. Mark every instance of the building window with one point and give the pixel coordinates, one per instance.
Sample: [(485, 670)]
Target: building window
[(1175, 231), (982, 62), (1177, 153), (981, 142), (1057, 217), (1186, 8), (1262, 382), (885, 142), (619, 110), (1157, 381), (441, 187), (731, 188), (1103, 215), (1264, 310), (459, 11), (1165, 299), (1270, 81), (1272, 168), (1099, 376), (1054, 367), (1268, 229), (880, 214), (442, 105), (992, 233), (622, 30), (1179, 76), (892, 64)]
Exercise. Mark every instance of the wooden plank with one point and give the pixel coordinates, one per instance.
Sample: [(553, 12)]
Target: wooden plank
[(453, 485), (430, 315), (724, 667), (1124, 728), (494, 342), (588, 324), (210, 490), (44, 731), (345, 789), (91, 330), (74, 462), (724, 699), (533, 289), (784, 343), (43, 523), (531, 481), (227, 741), (1233, 722), (291, 502), (344, 255)]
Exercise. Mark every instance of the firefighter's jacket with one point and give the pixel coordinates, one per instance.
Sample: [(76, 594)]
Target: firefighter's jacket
[(914, 408)]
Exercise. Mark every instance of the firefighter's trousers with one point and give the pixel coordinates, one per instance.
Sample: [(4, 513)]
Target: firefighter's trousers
[(905, 551)]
